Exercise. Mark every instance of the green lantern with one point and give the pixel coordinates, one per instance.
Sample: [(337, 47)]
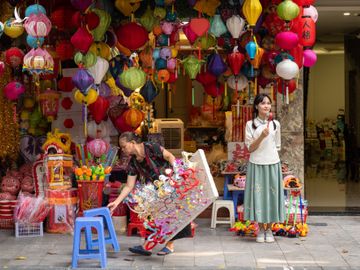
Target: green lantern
[(205, 41), (288, 10), (87, 60), (192, 66), (105, 20), (148, 20), (133, 78)]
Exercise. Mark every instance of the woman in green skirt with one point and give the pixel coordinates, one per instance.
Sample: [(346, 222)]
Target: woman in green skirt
[(264, 192)]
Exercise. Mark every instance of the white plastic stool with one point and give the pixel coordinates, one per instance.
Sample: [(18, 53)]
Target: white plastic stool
[(216, 206)]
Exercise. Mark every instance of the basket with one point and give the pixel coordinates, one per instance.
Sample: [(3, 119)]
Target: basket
[(28, 229), (90, 194)]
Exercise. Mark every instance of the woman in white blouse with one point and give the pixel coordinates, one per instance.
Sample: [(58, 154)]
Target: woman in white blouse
[(264, 193)]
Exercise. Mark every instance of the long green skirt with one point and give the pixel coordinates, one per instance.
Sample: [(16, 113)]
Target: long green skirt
[(264, 193)]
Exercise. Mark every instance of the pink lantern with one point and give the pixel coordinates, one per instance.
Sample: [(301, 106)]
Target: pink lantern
[(287, 40), (167, 27), (171, 64), (190, 35), (38, 61), (311, 11), (310, 58), (37, 25), (49, 103), (97, 147), (13, 90)]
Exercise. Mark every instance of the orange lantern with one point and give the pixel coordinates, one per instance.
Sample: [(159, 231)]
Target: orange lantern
[(163, 76), (307, 31), (133, 117), (257, 59)]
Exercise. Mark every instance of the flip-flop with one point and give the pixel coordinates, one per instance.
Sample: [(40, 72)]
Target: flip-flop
[(164, 251), (140, 250)]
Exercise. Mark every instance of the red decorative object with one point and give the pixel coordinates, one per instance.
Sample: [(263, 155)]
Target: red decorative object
[(82, 39), (92, 20), (291, 84), (132, 35), (60, 18), (287, 40), (49, 103), (66, 103), (235, 60), (206, 78), (99, 108), (199, 26), (307, 32), (214, 89), (98, 147), (65, 84), (68, 123), (65, 50), (133, 117), (304, 2), (14, 57), (298, 53)]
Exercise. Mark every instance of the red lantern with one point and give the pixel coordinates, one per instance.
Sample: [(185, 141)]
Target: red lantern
[(60, 18), (49, 103), (132, 35), (92, 20), (133, 117), (65, 84), (14, 57), (307, 31), (68, 123), (214, 89), (235, 60), (82, 40), (65, 50), (281, 86), (304, 2), (206, 78), (99, 108), (297, 53)]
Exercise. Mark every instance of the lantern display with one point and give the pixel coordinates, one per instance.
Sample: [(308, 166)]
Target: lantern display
[(133, 78), (252, 10), (37, 25), (98, 147), (49, 104), (82, 39)]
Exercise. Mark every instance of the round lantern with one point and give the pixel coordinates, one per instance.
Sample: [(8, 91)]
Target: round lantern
[(97, 147), (133, 78), (82, 80), (37, 25), (310, 58), (34, 9), (312, 12), (252, 10), (82, 39), (237, 82), (287, 69), (287, 40), (13, 29), (288, 10), (38, 61), (132, 35), (60, 18), (99, 70), (14, 57), (13, 90), (133, 117)]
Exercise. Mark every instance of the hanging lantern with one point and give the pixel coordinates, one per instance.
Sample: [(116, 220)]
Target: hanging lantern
[(99, 108), (216, 65), (13, 90), (235, 24), (235, 60), (49, 104), (34, 42), (82, 39), (251, 48), (307, 31), (163, 76), (149, 91), (257, 59), (237, 82), (38, 61), (12, 28), (132, 35), (82, 80), (287, 40), (287, 69), (310, 58), (133, 117), (206, 78), (288, 10), (105, 20), (133, 78), (99, 70), (14, 57), (199, 26), (312, 12), (252, 10), (217, 26), (38, 25), (190, 35), (60, 18), (192, 66)]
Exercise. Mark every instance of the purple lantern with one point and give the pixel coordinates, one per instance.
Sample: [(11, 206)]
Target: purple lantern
[(165, 53), (216, 64), (83, 80)]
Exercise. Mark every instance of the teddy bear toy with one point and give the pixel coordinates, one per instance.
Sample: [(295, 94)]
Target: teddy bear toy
[(10, 186), (240, 181)]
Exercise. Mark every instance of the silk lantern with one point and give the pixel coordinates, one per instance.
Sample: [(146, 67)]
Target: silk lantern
[(307, 31), (257, 59), (13, 90), (82, 39), (12, 28), (206, 78), (105, 20), (216, 64), (87, 99), (34, 42), (149, 91), (237, 82), (38, 25), (287, 70), (235, 61), (217, 26), (235, 24), (99, 108), (167, 27), (99, 70), (38, 61), (82, 80), (98, 147), (192, 66), (312, 12), (214, 89), (101, 49), (132, 35), (310, 58), (287, 40), (199, 26), (133, 78), (288, 10), (49, 104), (163, 76), (190, 35), (133, 117), (281, 84), (251, 48), (252, 10), (14, 57)]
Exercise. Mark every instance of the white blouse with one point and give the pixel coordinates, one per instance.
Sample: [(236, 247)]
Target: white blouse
[(267, 152)]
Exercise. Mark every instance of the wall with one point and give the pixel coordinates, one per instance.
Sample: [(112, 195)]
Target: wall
[(326, 87)]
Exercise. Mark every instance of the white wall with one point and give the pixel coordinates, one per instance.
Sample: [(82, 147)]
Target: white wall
[(326, 87)]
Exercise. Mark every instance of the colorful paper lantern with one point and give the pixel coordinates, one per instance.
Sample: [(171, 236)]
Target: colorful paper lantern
[(133, 117), (133, 78), (307, 31), (310, 58), (82, 80), (82, 40), (49, 103), (98, 147), (251, 48), (190, 35), (235, 24), (287, 40), (148, 20), (38, 25), (258, 57), (14, 57), (199, 26), (13, 90), (87, 99), (217, 26), (13, 29), (312, 12), (38, 61), (235, 61), (237, 82), (149, 91), (288, 10), (105, 20), (192, 66), (252, 10), (132, 35), (99, 70), (287, 69), (34, 42), (99, 108)]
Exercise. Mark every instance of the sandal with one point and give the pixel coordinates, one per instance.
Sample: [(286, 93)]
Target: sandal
[(140, 250), (164, 251)]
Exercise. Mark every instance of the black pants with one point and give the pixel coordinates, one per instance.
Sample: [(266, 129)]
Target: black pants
[(186, 232)]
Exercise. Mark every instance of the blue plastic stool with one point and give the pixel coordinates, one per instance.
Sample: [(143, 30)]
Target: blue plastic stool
[(87, 223), (104, 212)]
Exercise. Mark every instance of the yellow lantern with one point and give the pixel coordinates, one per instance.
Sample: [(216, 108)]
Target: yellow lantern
[(13, 29), (252, 10)]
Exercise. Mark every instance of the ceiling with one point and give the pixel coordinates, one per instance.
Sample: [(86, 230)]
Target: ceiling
[(332, 25)]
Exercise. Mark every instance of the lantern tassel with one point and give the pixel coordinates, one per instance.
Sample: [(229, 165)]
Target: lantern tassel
[(192, 96), (287, 93), (225, 89), (256, 87)]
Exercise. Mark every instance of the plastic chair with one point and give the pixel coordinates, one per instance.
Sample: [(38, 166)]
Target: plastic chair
[(220, 204), (88, 223), (105, 213)]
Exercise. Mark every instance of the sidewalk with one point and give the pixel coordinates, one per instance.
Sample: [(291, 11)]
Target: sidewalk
[(332, 243)]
